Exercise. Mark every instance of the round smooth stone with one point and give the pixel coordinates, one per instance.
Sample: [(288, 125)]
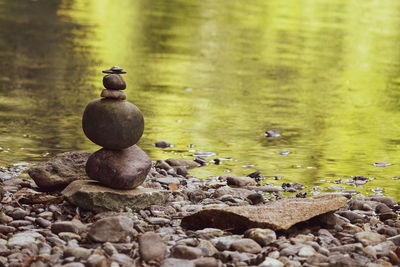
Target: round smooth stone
[(114, 94), (120, 169), (113, 124), (114, 82)]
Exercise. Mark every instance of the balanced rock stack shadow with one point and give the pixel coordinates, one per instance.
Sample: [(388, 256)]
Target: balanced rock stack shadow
[(116, 125)]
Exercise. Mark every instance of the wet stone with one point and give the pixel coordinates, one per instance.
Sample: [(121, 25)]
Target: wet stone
[(240, 181), (163, 144), (182, 162)]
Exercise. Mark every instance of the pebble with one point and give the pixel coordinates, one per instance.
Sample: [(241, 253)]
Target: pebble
[(19, 223), (306, 251), (163, 144), (271, 262), (24, 239), (209, 233), (172, 262), (263, 237), (151, 247), (112, 229), (46, 215), (66, 236), (96, 260), (78, 253), (207, 248), (18, 214), (123, 260), (43, 222), (246, 245), (4, 218), (395, 240), (4, 229), (186, 252), (109, 249), (368, 238), (168, 180), (255, 198), (73, 226), (224, 242), (207, 262)]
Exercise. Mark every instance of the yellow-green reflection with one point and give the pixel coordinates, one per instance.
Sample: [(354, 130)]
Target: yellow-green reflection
[(324, 73)]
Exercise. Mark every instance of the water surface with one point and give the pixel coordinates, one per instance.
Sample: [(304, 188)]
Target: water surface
[(213, 76)]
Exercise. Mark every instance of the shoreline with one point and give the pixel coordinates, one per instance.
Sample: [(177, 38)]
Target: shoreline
[(43, 229)]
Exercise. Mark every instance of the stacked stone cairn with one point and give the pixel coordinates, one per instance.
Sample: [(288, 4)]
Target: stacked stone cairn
[(116, 125)]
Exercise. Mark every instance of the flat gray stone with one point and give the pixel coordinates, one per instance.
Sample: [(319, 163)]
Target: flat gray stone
[(91, 195), (276, 215)]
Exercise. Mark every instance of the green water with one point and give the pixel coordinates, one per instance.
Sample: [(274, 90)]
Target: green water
[(215, 75)]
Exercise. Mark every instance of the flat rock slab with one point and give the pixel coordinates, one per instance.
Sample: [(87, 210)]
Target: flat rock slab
[(91, 195), (60, 170), (276, 215)]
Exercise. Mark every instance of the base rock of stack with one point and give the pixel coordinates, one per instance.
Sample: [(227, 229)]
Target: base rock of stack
[(120, 169), (91, 195)]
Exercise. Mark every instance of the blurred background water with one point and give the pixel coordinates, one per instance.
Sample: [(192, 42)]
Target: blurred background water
[(213, 76)]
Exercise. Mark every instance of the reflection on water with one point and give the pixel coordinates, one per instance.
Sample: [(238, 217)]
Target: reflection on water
[(213, 76)]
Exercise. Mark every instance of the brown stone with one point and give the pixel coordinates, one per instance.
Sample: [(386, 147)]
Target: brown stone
[(276, 215), (240, 181), (114, 82), (121, 169), (60, 170), (112, 123), (114, 94), (112, 229), (182, 163), (151, 247)]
